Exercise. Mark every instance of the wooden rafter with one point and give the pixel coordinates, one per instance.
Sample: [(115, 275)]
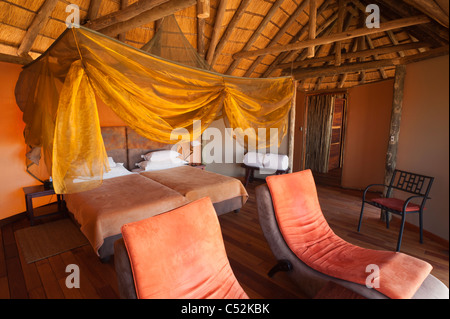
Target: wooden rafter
[(94, 9), (158, 12), (278, 36), (220, 14), (432, 9), (36, 25), (230, 27), (123, 5), (312, 26), (288, 55), (257, 32), (203, 9), (391, 25), (126, 13)]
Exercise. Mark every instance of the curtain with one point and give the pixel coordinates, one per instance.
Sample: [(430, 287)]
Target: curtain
[(319, 129), (153, 96)]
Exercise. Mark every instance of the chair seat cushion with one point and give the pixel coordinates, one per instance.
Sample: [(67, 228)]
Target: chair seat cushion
[(396, 204), (308, 235), (181, 255)]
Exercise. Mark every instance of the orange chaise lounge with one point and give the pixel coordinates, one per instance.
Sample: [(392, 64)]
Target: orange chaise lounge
[(176, 255), (313, 255)]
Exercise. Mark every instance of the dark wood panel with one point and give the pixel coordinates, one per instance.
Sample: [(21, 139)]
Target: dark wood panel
[(247, 249)]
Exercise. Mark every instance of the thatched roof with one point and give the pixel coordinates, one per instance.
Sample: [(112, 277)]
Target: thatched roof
[(252, 38)]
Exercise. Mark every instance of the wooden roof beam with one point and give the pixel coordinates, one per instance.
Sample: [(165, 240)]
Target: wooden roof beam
[(23, 60), (312, 26), (220, 14), (230, 28), (287, 55), (126, 13), (391, 25), (267, 17), (277, 37), (309, 73), (431, 9), (36, 25), (94, 8), (358, 54)]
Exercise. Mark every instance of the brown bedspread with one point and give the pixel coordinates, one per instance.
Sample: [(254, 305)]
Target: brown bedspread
[(194, 183), (101, 212)]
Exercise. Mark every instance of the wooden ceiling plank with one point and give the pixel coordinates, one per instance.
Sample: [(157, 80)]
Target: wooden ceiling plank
[(220, 14), (229, 30), (391, 25), (340, 23), (268, 16), (278, 36), (36, 25), (126, 13)]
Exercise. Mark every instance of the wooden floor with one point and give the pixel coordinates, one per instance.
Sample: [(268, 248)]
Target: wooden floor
[(248, 252)]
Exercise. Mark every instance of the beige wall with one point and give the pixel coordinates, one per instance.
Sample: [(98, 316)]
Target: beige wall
[(366, 139), (424, 136)]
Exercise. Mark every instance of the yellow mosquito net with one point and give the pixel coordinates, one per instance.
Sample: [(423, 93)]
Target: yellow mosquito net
[(154, 96)]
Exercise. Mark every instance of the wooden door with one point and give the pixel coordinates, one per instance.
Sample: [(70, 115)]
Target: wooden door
[(336, 134)]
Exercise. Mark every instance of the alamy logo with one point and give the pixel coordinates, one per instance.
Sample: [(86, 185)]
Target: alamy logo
[(373, 280), (373, 19), (73, 19), (73, 279)]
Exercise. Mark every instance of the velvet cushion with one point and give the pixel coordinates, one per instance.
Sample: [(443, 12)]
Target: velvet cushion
[(396, 204), (308, 235), (181, 254)]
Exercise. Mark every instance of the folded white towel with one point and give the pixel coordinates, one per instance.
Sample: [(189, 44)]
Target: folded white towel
[(254, 159), (276, 162)]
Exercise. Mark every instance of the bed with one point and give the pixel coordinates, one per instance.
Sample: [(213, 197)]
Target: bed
[(127, 196)]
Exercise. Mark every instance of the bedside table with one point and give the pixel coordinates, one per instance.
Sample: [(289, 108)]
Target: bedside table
[(198, 165), (40, 191)]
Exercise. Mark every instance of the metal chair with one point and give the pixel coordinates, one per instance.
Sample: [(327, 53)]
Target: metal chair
[(418, 186)]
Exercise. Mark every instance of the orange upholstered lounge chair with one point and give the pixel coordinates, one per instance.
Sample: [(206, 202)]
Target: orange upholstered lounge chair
[(176, 255), (313, 255)]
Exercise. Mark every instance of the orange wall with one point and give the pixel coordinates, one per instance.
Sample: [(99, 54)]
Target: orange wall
[(367, 136), (12, 147)]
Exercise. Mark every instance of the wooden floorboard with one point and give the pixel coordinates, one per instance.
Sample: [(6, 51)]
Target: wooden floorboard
[(249, 254)]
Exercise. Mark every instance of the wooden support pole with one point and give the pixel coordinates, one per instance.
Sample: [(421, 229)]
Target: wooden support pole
[(312, 26), (396, 116), (201, 36), (220, 14), (36, 25), (391, 25)]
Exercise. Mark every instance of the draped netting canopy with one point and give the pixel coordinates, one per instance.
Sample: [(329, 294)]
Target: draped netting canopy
[(57, 95)]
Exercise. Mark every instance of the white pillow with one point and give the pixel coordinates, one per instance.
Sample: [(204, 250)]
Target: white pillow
[(160, 165), (158, 156), (111, 162), (116, 171)]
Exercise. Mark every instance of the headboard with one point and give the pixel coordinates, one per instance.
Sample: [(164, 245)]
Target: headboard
[(126, 146)]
